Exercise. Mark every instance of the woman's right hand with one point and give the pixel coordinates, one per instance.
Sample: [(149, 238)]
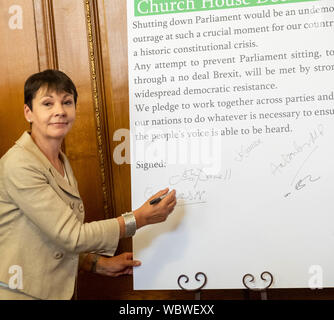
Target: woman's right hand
[(151, 214)]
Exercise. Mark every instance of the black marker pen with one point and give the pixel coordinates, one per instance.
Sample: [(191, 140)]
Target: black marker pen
[(157, 200)]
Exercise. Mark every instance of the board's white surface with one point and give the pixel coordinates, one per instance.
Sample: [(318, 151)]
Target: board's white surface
[(249, 218)]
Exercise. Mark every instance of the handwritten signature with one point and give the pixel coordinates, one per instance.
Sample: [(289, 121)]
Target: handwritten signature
[(244, 152), (195, 176), (298, 149), (191, 197), (302, 183), (187, 197)]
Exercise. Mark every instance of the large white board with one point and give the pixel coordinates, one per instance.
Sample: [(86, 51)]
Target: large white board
[(233, 108)]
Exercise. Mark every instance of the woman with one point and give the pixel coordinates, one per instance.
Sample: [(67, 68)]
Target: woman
[(42, 232)]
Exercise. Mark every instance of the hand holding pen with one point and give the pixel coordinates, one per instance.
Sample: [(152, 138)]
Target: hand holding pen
[(156, 209), (158, 199)]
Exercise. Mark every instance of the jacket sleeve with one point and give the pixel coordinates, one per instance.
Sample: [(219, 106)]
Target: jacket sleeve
[(29, 189)]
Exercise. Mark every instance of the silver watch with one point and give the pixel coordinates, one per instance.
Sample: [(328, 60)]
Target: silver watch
[(130, 224)]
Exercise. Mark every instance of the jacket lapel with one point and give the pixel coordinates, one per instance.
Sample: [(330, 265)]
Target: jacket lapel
[(27, 142), (62, 183)]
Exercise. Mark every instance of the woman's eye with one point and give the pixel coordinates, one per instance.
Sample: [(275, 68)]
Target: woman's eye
[(70, 102), (47, 104)]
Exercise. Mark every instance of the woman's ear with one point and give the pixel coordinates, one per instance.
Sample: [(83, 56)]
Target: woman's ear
[(28, 113)]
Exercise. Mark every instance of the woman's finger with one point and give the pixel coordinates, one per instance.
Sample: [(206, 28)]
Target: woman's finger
[(131, 263), (172, 205), (128, 255), (170, 198), (159, 194), (127, 271)]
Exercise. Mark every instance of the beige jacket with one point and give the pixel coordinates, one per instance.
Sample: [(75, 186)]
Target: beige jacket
[(41, 223)]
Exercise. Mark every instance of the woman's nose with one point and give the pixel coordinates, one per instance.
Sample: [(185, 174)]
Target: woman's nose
[(59, 109)]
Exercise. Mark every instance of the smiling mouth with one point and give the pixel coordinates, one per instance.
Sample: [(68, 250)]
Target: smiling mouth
[(59, 123)]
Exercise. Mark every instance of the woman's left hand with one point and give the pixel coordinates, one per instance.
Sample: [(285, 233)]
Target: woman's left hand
[(116, 266)]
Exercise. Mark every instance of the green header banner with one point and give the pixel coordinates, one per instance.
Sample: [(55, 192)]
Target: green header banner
[(156, 7)]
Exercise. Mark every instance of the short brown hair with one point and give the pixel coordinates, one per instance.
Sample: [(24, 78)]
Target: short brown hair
[(52, 80)]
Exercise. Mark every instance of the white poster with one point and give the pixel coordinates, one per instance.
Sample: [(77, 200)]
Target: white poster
[(231, 105)]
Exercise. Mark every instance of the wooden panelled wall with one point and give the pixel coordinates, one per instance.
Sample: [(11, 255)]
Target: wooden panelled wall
[(88, 41)]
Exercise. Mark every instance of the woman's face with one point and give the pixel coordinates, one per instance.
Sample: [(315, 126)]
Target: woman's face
[(52, 114)]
